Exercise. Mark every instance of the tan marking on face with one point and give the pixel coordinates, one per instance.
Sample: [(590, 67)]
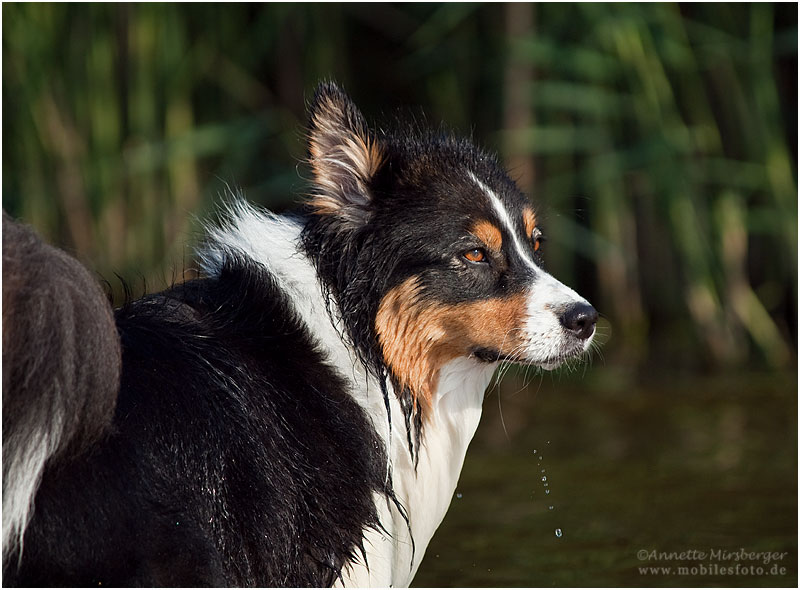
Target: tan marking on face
[(419, 336), (529, 217), (489, 234)]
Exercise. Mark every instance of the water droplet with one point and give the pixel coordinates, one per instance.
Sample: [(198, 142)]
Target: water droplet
[(546, 484), (544, 478), (549, 508), (547, 491), (534, 451), (548, 442), (540, 457), (459, 495), (558, 533)]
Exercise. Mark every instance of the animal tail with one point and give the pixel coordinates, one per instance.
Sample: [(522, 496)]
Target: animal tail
[(61, 368)]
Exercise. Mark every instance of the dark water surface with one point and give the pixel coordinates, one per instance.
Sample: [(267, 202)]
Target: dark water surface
[(683, 472)]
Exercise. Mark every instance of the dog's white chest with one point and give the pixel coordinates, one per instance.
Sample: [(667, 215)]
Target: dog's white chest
[(393, 558)]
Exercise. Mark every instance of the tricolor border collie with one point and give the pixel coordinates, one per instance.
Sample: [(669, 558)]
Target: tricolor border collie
[(300, 414)]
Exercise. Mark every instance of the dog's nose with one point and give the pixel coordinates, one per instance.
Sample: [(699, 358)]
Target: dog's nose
[(580, 319)]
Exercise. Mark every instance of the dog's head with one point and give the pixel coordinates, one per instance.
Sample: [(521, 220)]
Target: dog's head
[(432, 252)]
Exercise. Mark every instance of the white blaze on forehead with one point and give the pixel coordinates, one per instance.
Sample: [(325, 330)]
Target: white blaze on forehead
[(505, 219)]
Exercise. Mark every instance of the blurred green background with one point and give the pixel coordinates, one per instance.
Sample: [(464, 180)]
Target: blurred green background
[(659, 140)]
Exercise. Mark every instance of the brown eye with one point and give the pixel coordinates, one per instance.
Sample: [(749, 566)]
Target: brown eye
[(538, 239), (476, 255)]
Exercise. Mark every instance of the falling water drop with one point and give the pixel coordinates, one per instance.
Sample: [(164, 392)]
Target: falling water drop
[(544, 478), (534, 451), (458, 495), (550, 507), (558, 533), (547, 491)]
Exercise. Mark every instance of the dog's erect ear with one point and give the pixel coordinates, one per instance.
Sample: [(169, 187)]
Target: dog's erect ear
[(344, 156)]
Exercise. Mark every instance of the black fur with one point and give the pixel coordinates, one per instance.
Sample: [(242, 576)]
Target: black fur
[(231, 442)]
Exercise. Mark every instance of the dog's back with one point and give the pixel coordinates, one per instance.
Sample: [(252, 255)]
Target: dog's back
[(211, 474)]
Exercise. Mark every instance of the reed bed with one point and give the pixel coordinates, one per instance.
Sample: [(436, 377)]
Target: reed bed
[(661, 140)]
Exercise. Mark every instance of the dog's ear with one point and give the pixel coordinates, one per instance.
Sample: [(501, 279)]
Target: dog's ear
[(344, 156)]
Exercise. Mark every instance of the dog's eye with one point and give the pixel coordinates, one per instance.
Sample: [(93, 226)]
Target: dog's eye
[(476, 255), (538, 239)]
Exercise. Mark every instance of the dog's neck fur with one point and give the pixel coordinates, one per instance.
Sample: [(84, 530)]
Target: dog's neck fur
[(425, 491)]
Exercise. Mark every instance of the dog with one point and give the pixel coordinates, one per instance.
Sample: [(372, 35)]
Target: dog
[(298, 415)]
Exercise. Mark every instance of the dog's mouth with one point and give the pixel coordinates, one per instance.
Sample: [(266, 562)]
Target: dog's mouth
[(490, 355)]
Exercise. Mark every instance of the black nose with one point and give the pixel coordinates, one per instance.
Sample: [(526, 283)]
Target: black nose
[(580, 319)]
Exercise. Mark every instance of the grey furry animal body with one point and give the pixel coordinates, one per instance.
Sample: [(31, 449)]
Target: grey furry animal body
[(61, 366)]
